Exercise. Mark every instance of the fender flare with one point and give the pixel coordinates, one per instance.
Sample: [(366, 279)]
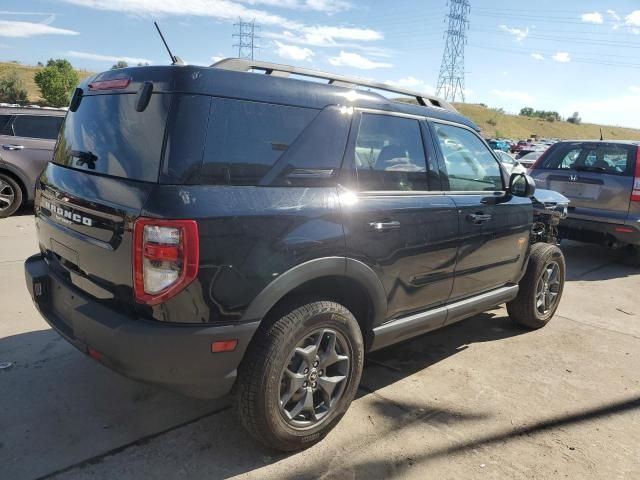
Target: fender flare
[(314, 269)]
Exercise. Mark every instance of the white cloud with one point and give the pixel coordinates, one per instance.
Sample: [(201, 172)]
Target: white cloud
[(562, 57), (13, 29), (512, 95), (293, 52), (537, 56), (633, 19), (518, 33), (231, 10), (351, 59), (592, 17), (412, 83), (217, 58), (617, 110), (614, 15), (325, 6), (106, 58)]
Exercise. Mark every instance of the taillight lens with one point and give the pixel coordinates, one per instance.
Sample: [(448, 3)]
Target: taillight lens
[(635, 190), (165, 258)]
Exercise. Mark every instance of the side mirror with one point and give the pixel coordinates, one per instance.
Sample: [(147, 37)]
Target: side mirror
[(522, 185)]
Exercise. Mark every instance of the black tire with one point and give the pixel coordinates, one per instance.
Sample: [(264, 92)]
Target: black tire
[(273, 350), (10, 192), (526, 309)]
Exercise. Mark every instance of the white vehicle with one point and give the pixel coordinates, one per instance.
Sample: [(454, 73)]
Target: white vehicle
[(511, 164)]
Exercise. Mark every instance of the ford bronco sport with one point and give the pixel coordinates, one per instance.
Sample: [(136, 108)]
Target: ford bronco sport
[(231, 230)]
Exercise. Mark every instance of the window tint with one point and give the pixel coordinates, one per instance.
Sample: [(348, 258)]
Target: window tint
[(4, 120), (315, 157), (107, 135), (470, 165), (245, 139), (186, 133), (608, 158), (37, 126), (389, 154)]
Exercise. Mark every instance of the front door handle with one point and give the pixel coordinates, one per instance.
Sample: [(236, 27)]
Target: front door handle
[(13, 147), (478, 218), (384, 226)]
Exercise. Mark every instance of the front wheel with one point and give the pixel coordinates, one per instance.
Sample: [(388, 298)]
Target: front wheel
[(300, 375), (10, 196), (540, 288)]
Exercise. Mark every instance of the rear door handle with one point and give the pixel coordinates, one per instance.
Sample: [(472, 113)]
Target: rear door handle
[(478, 218), (384, 226), (13, 147)]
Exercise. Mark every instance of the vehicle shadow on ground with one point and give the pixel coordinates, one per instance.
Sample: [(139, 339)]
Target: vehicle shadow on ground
[(53, 395), (588, 262)]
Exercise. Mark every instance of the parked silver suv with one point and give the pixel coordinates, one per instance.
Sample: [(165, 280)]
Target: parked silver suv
[(602, 180), (27, 139)]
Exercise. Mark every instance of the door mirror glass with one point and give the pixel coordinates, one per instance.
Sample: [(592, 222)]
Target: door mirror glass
[(522, 185)]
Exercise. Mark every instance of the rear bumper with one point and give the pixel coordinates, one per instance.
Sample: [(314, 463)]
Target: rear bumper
[(599, 232), (176, 357)]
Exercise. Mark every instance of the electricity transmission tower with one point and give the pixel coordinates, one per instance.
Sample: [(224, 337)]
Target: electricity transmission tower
[(451, 78), (246, 38)]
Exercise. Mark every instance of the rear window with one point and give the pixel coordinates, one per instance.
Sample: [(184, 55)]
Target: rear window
[(107, 135), (609, 158), (37, 126)]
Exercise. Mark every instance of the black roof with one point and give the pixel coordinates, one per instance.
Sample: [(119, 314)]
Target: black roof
[(264, 88)]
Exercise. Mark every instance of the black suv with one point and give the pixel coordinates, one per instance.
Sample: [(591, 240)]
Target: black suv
[(221, 230)]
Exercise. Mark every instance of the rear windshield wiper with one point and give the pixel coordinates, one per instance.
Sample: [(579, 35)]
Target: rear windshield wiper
[(587, 168), (84, 157)]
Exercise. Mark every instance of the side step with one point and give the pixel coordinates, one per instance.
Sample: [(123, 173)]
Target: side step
[(407, 327)]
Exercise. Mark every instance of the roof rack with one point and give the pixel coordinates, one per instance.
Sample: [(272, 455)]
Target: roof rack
[(278, 70)]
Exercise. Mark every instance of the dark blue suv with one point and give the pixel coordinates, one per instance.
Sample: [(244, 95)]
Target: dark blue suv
[(220, 230)]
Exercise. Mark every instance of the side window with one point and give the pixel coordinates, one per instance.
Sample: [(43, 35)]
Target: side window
[(470, 165), (245, 139), (314, 159), (37, 126), (389, 154), (4, 122)]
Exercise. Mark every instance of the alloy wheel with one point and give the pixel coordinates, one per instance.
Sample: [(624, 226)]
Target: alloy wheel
[(548, 288), (314, 379), (7, 195)]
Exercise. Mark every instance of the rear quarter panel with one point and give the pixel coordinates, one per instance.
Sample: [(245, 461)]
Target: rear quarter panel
[(248, 237)]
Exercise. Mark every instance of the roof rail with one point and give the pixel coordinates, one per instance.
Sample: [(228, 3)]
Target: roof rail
[(278, 70)]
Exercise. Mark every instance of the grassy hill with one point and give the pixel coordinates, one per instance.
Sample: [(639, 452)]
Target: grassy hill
[(495, 124), (27, 73)]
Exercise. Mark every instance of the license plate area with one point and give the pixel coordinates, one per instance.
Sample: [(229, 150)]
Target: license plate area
[(582, 191)]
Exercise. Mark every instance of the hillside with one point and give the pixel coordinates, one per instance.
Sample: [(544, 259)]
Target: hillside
[(494, 124), (27, 73)]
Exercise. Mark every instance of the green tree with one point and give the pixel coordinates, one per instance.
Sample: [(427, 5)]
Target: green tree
[(526, 112), (120, 64), (575, 118), (12, 88), (56, 82)]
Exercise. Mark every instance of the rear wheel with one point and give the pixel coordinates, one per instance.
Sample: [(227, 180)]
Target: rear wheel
[(10, 196), (300, 375), (540, 288)]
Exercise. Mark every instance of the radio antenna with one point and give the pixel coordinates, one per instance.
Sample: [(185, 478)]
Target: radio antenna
[(174, 59)]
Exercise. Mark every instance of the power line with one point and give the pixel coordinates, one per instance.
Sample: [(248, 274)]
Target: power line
[(451, 78), (246, 38)]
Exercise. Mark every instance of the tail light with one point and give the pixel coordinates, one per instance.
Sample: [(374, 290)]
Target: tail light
[(635, 190), (165, 258)]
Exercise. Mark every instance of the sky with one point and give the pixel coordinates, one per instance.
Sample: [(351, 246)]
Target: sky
[(567, 56)]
